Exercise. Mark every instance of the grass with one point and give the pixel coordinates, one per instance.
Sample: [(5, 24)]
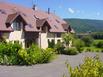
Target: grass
[(96, 41), (93, 49)]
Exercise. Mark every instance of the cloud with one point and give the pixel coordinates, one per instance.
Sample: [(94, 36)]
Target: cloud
[(78, 11), (71, 10), (98, 13)]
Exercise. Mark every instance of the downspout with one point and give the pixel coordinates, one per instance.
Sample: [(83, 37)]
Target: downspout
[(40, 34), (54, 37)]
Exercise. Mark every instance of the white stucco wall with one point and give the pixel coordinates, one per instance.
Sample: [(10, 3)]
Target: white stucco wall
[(56, 39), (43, 40), (17, 36)]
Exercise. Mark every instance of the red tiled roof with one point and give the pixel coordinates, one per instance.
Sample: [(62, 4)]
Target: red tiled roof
[(11, 17), (3, 26), (40, 22), (29, 28), (31, 17)]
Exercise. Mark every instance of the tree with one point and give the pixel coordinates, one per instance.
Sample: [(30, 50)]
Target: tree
[(67, 38), (78, 43), (88, 40)]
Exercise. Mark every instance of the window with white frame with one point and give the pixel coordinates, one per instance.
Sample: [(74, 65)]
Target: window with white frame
[(17, 25)]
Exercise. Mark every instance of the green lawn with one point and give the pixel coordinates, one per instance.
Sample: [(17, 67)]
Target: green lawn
[(98, 40), (93, 48)]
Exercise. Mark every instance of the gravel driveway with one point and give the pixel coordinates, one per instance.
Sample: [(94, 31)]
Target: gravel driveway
[(54, 69)]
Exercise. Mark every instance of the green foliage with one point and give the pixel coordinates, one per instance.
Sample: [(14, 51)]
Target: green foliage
[(88, 40), (64, 47), (86, 43), (35, 55), (13, 54), (67, 37), (78, 43), (97, 35), (59, 48), (23, 57), (92, 67), (71, 51), (48, 55), (98, 43), (85, 25), (92, 49), (51, 44), (2, 39), (9, 53)]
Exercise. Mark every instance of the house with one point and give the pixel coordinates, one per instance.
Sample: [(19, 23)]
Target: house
[(29, 25)]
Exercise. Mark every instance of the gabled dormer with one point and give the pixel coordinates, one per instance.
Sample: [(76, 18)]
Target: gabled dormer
[(43, 25), (16, 21)]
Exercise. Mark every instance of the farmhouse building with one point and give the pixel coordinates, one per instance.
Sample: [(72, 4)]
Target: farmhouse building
[(30, 25)]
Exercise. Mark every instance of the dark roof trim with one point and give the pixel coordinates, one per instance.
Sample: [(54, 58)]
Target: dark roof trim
[(12, 17), (41, 22)]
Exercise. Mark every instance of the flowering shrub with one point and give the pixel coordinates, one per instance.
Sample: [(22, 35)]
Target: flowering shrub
[(92, 67), (13, 54)]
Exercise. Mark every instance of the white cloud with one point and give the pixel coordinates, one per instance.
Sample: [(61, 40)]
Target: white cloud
[(98, 13), (71, 10), (78, 11)]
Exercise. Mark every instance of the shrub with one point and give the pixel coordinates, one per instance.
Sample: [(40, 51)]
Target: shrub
[(99, 44), (78, 43), (67, 37), (35, 55), (51, 44), (71, 51), (92, 67), (92, 49), (9, 53), (59, 48), (13, 54), (88, 40), (48, 55), (24, 58), (2, 39)]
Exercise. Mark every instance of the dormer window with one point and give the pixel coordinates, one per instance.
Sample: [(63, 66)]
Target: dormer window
[(2, 11), (17, 25)]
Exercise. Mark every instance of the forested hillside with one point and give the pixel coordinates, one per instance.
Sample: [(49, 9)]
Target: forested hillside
[(86, 25)]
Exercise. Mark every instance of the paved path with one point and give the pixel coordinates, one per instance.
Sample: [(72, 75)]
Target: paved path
[(54, 69)]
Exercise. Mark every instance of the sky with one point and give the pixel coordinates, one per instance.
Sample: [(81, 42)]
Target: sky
[(84, 9)]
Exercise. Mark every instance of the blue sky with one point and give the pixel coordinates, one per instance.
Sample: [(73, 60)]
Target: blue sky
[(85, 9)]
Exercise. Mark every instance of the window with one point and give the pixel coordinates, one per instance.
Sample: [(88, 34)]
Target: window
[(58, 34), (50, 35), (44, 29), (17, 25), (2, 11)]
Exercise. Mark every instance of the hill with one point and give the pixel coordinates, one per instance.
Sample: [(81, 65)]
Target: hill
[(86, 25)]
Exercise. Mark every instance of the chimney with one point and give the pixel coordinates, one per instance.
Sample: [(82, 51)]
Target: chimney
[(34, 7), (54, 11), (48, 10)]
